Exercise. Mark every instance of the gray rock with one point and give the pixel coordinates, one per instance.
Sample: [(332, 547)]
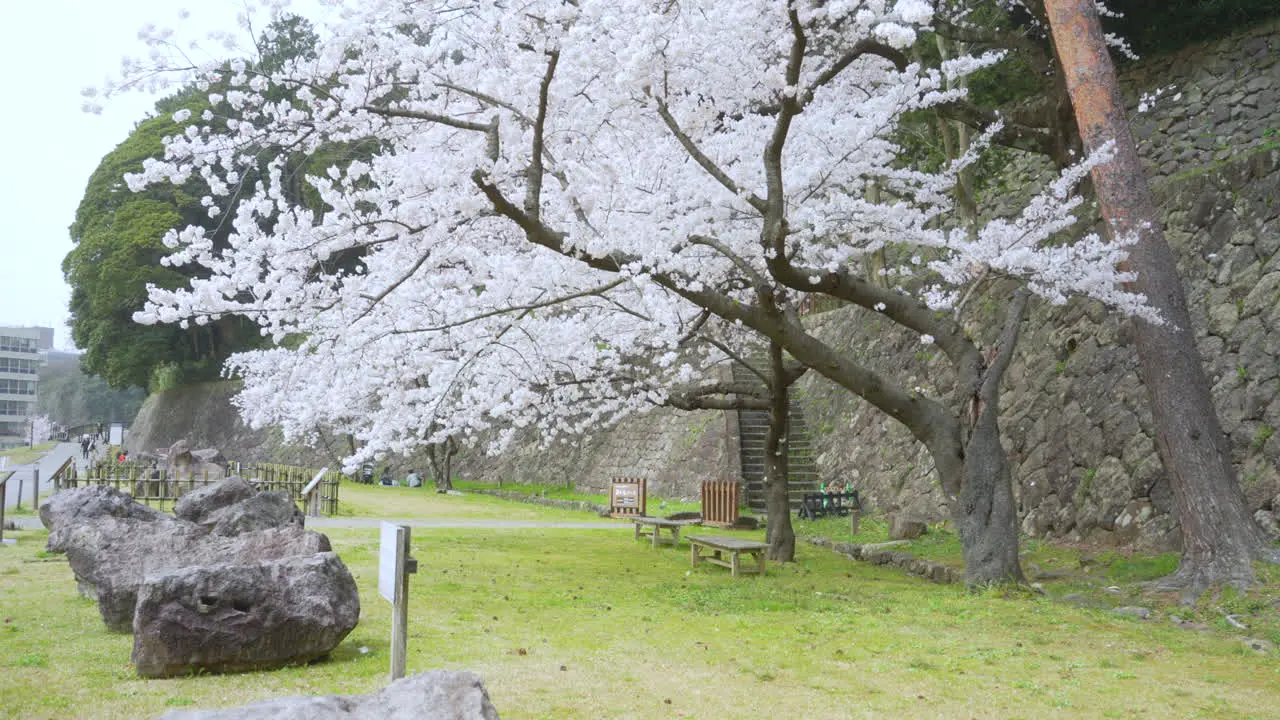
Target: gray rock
[(260, 512), (243, 616), (435, 695), (69, 508), (1267, 521), (1132, 611), (1258, 645), (182, 464), (110, 557), (179, 454), (199, 505), (209, 456), (904, 528)]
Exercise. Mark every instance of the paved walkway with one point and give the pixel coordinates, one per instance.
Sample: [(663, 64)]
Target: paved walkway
[(324, 523), (354, 522), (47, 465)]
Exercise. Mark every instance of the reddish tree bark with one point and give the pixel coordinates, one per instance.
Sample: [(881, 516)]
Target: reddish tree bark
[(1219, 538)]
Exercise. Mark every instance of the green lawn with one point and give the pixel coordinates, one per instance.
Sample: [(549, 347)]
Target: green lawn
[(655, 505), (22, 456), (376, 501), (591, 624)]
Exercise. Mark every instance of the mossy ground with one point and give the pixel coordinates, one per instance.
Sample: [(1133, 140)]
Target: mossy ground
[(591, 624)]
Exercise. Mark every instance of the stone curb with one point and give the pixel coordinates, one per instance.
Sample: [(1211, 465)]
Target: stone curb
[(578, 505), (878, 554)]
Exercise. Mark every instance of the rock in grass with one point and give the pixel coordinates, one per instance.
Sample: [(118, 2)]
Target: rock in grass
[(1133, 611), (246, 616), (435, 695), (200, 506), (1259, 646), (70, 508), (111, 557), (904, 528), (261, 512)]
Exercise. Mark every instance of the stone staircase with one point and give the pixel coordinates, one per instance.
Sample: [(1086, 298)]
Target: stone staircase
[(753, 425)]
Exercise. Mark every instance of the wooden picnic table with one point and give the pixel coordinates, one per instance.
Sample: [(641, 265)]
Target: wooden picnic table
[(653, 526), (735, 547)]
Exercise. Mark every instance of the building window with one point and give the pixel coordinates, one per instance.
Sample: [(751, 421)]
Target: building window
[(14, 365), (15, 407), (17, 344), (17, 387)]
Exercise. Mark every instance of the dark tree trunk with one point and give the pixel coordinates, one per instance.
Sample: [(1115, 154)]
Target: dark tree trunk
[(779, 534), (974, 468), (1219, 538), (985, 513), (445, 482), (441, 457)]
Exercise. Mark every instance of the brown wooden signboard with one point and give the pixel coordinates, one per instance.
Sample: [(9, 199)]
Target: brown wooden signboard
[(628, 497)]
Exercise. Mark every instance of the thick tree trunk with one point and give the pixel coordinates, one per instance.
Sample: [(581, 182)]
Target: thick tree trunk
[(1219, 538), (446, 481), (779, 534), (985, 513), (441, 457)]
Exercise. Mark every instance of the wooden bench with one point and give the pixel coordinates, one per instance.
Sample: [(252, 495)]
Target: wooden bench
[(815, 505), (653, 527), (735, 547)]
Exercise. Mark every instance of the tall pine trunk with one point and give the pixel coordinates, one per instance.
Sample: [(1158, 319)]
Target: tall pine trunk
[(1219, 538)]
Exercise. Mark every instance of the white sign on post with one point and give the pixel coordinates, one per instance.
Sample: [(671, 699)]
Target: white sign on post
[(390, 560), (394, 566)]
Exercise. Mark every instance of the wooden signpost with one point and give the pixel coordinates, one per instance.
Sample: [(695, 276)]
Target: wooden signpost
[(394, 568), (628, 497), (4, 480), (311, 494)]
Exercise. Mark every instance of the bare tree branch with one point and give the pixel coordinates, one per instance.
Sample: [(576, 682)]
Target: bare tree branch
[(516, 308), (701, 158), (533, 194)]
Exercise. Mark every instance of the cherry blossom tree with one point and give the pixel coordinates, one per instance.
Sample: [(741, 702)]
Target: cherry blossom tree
[(43, 429), (562, 187)]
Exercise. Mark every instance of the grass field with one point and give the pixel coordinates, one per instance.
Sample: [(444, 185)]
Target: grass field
[(375, 501), (591, 624), (22, 456)]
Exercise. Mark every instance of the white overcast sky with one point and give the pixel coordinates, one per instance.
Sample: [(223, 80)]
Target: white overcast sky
[(50, 50)]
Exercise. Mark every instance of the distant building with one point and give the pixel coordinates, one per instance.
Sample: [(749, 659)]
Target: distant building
[(22, 352)]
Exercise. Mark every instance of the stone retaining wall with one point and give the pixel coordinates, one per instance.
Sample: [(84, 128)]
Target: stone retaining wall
[(1075, 417)]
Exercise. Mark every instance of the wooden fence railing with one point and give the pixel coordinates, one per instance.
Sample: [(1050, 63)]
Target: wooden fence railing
[(315, 491), (65, 472), (301, 484)]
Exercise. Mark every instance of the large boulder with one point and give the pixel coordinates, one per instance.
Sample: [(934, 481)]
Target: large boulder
[(69, 508), (243, 616), (261, 512), (200, 505), (435, 695), (209, 456), (179, 453), (902, 527), (183, 464), (110, 557)]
